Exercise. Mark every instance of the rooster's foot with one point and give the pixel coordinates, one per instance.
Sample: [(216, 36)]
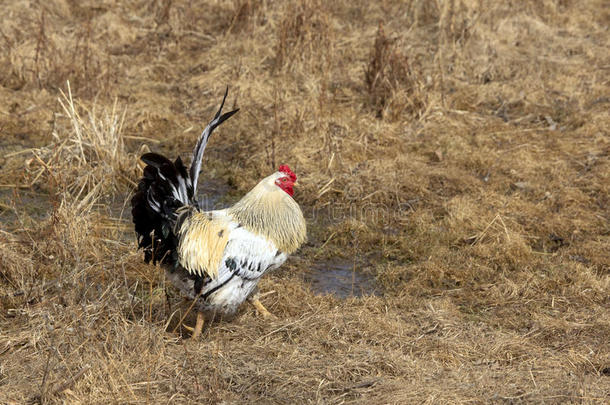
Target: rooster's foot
[(260, 308)]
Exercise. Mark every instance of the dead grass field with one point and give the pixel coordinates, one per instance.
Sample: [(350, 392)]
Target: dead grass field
[(456, 150)]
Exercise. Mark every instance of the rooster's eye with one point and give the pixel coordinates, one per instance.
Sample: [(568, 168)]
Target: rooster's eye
[(284, 179)]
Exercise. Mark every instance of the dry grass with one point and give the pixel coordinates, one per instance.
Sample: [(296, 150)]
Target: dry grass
[(87, 157), (458, 151)]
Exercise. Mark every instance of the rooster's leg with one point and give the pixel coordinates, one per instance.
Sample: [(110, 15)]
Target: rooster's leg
[(260, 307), (196, 331), (198, 325)]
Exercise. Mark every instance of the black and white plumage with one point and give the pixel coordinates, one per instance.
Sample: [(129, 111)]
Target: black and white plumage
[(214, 257)]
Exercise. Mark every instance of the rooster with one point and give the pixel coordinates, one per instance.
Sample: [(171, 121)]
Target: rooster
[(215, 258)]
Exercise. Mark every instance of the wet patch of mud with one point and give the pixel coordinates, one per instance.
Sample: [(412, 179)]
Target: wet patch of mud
[(340, 279)]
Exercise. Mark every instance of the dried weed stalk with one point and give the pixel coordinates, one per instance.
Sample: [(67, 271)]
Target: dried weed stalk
[(304, 36), (245, 15), (48, 52), (392, 85)]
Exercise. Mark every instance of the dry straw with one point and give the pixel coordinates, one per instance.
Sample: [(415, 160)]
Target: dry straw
[(458, 154)]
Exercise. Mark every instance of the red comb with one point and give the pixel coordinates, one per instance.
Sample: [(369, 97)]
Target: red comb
[(285, 169)]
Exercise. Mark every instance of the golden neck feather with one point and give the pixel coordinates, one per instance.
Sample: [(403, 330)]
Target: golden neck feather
[(269, 211)]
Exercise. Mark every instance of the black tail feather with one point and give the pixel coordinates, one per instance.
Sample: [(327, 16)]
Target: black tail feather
[(155, 160), (161, 192), (164, 188), (203, 140)]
